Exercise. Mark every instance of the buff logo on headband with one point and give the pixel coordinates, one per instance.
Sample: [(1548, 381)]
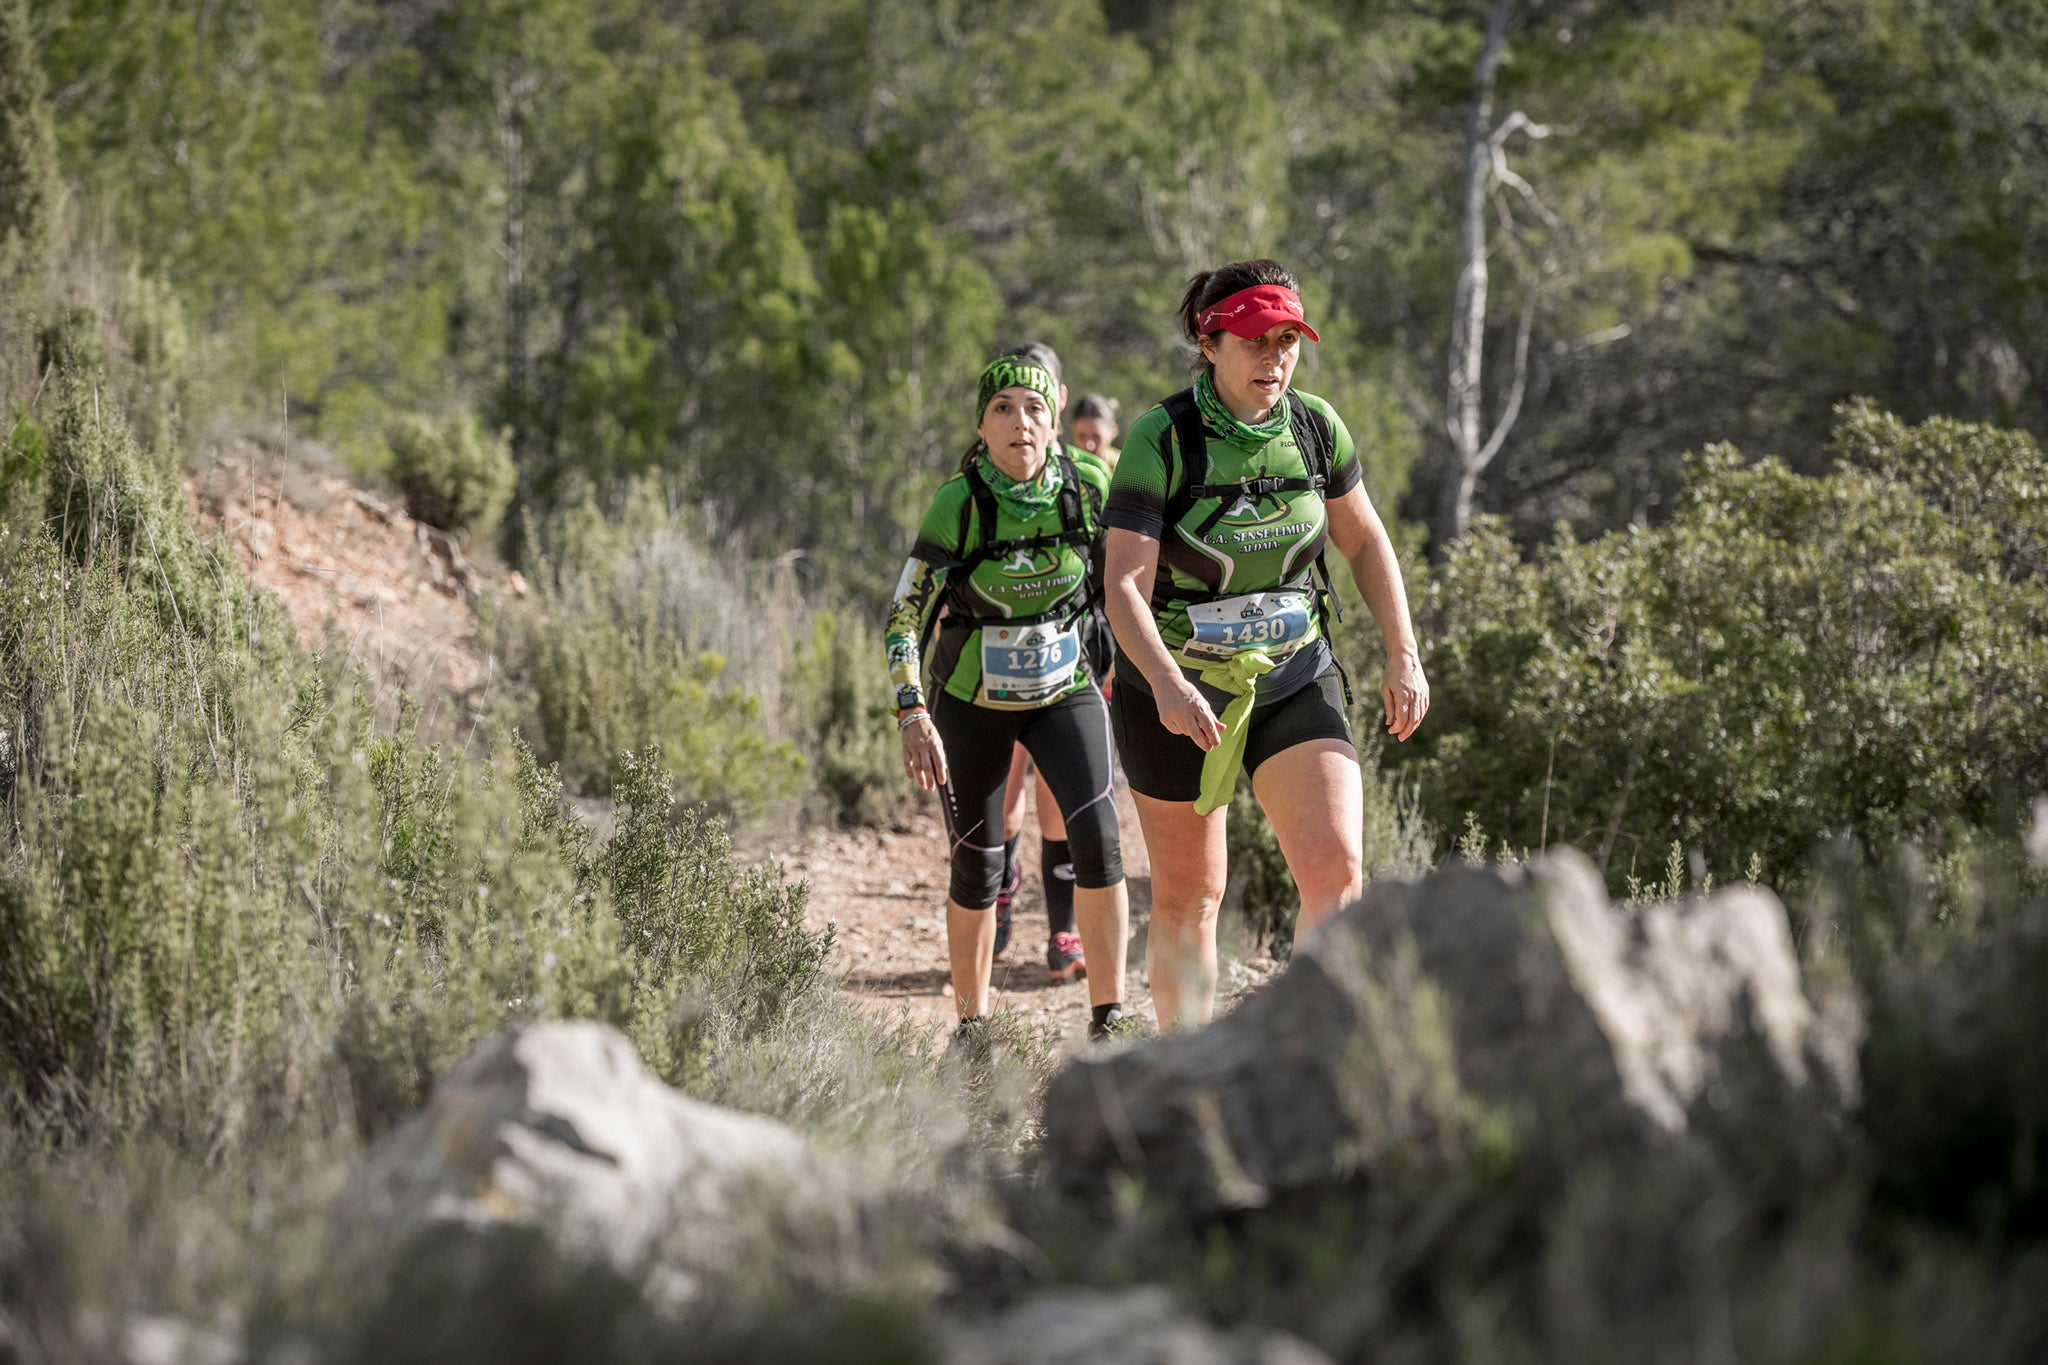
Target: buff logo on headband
[(1254, 312), (1013, 372)]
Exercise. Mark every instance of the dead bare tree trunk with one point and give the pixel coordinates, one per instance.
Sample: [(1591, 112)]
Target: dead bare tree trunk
[(1483, 170)]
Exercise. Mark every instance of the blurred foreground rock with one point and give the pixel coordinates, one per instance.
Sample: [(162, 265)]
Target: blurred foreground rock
[(560, 1127), (1474, 1009), (1134, 1327)]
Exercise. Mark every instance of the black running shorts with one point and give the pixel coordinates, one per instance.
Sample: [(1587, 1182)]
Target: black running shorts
[(1168, 767)]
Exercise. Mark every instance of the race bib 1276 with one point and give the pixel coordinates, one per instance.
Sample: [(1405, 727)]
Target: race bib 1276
[(1025, 665)]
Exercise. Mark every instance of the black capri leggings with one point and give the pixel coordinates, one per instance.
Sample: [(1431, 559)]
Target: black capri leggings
[(1069, 740)]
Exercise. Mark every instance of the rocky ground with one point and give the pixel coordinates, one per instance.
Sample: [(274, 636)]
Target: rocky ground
[(355, 572)]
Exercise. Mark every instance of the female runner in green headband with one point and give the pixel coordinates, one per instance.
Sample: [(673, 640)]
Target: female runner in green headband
[(1009, 548), (1219, 511)]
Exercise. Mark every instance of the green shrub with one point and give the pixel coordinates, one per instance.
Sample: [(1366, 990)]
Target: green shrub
[(453, 473), (1947, 958), (639, 638), (720, 953), (846, 717), (1789, 660), (70, 343), (28, 155)]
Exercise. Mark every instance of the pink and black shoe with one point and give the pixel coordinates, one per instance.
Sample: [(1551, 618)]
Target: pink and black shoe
[(1063, 957), (1013, 880)]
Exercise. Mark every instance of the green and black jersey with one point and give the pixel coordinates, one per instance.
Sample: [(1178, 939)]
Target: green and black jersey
[(1258, 544), (1041, 580)]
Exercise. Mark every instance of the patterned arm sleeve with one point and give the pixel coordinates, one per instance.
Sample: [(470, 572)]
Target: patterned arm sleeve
[(917, 598)]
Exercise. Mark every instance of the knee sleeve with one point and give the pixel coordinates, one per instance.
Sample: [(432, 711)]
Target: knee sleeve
[(977, 874), (1092, 835)]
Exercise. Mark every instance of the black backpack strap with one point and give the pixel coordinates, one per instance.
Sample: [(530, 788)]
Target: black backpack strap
[(1314, 437), (1081, 510), (980, 504), (1077, 528), (1190, 432), (1186, 429), (983, 499), (1317, 441)]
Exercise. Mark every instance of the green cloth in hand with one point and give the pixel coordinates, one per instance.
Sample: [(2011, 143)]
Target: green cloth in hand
[(1239, 676)]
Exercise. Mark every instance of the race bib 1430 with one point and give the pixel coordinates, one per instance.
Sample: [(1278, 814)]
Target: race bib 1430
[(1025, 665), (1277, 622)]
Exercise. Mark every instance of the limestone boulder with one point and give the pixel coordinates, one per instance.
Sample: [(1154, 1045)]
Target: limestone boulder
[(1130, 1327), (1439, 1015), (560, 1126)]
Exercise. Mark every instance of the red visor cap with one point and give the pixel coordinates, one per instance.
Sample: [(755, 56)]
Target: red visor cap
[(1255, 311)]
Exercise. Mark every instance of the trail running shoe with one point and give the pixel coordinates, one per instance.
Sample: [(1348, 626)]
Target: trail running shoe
[(1063, 957), (1013, 879), (1107, 1027), (968, 1047)]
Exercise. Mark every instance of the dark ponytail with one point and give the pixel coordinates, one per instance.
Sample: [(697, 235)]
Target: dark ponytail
[(1210, 287)]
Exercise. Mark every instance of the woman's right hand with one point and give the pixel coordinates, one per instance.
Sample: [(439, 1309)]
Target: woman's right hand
[(1186, 712), (924, 756)]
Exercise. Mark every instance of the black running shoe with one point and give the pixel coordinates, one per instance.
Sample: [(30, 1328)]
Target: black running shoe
[(968, 1049), (1109, 1026)]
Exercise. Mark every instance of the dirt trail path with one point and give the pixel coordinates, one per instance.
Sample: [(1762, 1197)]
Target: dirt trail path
[(884, 891)]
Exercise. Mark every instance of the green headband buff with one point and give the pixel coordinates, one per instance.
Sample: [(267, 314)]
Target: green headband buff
[(1008, 372)]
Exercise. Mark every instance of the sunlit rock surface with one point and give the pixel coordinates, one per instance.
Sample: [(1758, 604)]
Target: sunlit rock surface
[(1474, 1009)]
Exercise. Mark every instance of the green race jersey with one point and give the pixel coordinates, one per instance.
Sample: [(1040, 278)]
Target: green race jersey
[(1046, 582), (1258, 544)]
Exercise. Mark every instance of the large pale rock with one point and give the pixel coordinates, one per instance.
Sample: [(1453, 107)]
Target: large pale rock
[(1134, 1327), (1467, 1007), (560, 1126)]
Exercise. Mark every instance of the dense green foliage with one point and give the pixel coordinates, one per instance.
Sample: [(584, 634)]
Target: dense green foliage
[(760, 251), (1789, 659), (28, 154), (641, 638)]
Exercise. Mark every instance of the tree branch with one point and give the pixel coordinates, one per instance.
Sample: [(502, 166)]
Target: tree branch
[(1513, 408)]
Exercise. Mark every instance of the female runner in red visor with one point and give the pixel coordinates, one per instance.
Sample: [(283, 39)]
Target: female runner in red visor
[(1221, 506)]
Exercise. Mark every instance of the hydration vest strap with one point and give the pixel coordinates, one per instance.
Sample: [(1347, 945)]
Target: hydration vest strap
[(1315, 440), (1187, 430), (1076, 528)]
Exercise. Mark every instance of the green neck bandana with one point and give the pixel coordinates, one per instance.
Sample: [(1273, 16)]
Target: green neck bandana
[(1237, 432), (1022, 499)]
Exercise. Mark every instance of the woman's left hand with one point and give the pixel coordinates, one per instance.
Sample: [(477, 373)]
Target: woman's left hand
[(924, 753), (1406, 694)]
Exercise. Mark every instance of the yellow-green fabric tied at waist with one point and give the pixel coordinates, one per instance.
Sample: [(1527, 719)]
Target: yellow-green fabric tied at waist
[(1239, 676)]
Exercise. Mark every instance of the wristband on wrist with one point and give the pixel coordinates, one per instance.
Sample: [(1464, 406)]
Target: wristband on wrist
[(910, 718)]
